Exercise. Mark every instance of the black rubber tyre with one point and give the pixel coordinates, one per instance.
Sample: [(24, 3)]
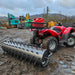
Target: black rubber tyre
[(45, 59), (70, 41), (52, 44)]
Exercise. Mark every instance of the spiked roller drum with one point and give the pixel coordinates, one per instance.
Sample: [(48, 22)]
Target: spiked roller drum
[(27, 52)]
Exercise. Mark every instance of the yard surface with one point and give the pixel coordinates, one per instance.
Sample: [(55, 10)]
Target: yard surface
[(61, 63)]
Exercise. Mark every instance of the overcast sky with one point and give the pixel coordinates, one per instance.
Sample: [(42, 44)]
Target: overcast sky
[(21, 7)]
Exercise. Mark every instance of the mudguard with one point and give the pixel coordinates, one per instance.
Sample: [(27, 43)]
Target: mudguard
[(47, 31), (67, 33), (69, 30)]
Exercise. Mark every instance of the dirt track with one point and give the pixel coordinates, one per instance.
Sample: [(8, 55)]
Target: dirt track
[(61, 63)]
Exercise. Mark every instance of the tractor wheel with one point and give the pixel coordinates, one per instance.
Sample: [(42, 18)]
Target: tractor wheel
[(50, 43), (71, 41)]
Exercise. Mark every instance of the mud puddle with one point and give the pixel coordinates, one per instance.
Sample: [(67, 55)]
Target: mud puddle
[(67, 65)]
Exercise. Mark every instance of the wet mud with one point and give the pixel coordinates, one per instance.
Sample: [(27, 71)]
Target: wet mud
[(61, 63)]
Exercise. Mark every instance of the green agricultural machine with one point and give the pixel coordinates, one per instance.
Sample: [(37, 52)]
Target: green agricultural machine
[(26, 24)]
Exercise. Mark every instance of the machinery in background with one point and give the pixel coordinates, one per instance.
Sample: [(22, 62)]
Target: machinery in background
[(28, 23), (0, 25), (12, 21), (27, 16), (51, 24), (21, 19), (24, 22)]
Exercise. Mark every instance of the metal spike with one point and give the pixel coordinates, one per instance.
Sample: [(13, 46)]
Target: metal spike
[(17, 55), (13, 54), (35, 62), (20, 57), (24, 44), (4, 53), (16, 43), (38, 60), (26, 58), (27, 45), (31, 59)]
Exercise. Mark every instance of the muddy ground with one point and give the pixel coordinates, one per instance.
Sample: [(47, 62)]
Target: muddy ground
[(61, 63)]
